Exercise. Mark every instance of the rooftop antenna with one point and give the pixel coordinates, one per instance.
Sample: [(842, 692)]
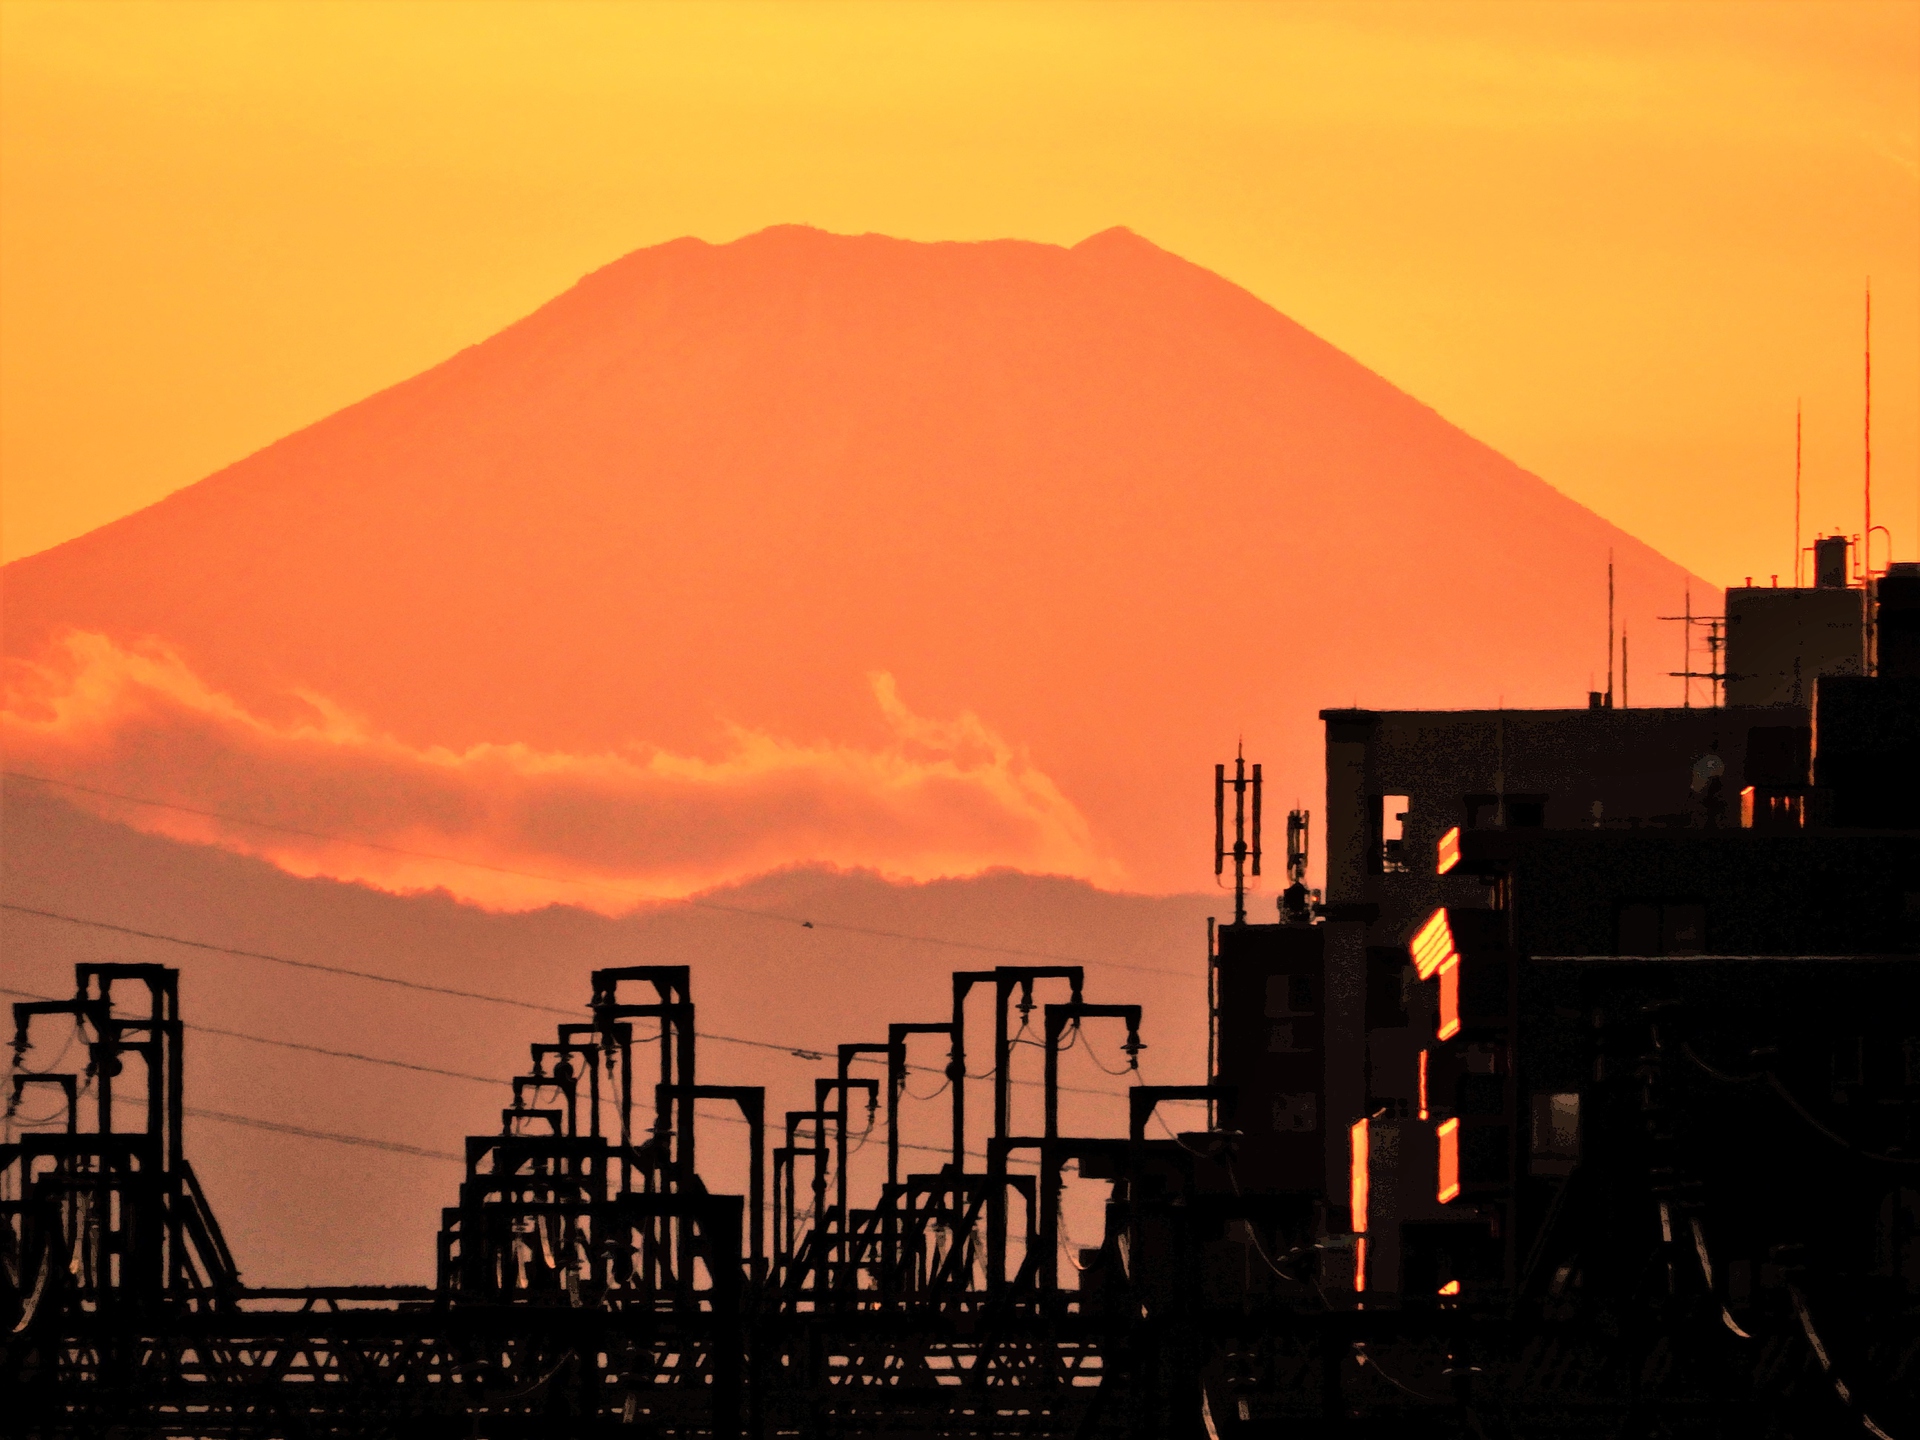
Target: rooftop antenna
[(1715, 674), (1867, 571), (1241, 851), (1298, 902), (1609, 627), (1796, 494)]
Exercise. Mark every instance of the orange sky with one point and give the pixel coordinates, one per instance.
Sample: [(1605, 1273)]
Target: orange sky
[(1616, 242)]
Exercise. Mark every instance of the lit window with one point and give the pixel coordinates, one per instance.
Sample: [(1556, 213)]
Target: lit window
[(1452, 1287), (1431, 946), (1449, 850), (1423, 1084), (1360, 1263), (1449, 1134), (1393, 833), (1449, 998), (1359, 1177)]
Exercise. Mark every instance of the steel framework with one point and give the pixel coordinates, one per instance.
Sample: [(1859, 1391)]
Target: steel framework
[(588, 1281)]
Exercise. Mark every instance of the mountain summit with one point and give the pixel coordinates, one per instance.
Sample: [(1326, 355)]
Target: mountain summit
[(810, 547)]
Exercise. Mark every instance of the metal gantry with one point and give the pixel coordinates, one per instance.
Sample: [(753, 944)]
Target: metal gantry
[(589, 1282)]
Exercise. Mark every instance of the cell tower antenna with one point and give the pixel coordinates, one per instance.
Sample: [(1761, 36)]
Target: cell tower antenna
[(1241, 851)]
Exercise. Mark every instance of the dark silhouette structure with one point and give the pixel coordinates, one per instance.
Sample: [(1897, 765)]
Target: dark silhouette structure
[(1585, 1103)]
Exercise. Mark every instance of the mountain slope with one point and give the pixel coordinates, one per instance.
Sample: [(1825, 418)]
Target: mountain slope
[(1096, 512)]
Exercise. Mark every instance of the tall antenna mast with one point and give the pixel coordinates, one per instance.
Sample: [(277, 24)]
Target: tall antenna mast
[(1241, 851), (1796, 494), (1686, 652), (1866, 530), (1609, 627)]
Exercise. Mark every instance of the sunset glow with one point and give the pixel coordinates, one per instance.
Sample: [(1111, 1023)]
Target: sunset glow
[(1618, 242), (512, 827), (746, 536)]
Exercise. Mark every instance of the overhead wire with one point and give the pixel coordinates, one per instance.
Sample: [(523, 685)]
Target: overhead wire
[(1807, 1115), (797, 1052), (1773, 1082), (933, 1094), (337, 1137), (491, 1080)]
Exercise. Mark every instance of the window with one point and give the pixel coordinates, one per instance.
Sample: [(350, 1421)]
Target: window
[(1449, 998), (1449, 852), (1390, 835), (1431, 945), (1357, 1176), (1449, 1135)]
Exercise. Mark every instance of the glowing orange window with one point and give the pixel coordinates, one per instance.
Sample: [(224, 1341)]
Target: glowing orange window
[(1449, 1133), (1359, 1177), (1423, 1084), (1358, 1180), (1432, 945), (1449, 998), (1449, 850)]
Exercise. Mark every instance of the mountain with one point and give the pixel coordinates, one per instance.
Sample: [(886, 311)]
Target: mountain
[(926, 558)]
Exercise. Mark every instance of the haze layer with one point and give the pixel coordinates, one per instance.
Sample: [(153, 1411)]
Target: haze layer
[(812, 548)]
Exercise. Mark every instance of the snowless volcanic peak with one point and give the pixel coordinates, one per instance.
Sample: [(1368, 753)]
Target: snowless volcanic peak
[(928, 558)]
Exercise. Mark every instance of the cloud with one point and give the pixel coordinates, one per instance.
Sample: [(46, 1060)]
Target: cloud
[(510, 827)]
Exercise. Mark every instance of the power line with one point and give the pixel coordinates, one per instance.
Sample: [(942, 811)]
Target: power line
[(337, 1137), (297, 1045), (345, 1139), (283, 960), (611, 888), (491, 1080), (798, 1052)]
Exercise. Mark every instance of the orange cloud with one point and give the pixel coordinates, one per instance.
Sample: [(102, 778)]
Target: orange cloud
[(610, 831)]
